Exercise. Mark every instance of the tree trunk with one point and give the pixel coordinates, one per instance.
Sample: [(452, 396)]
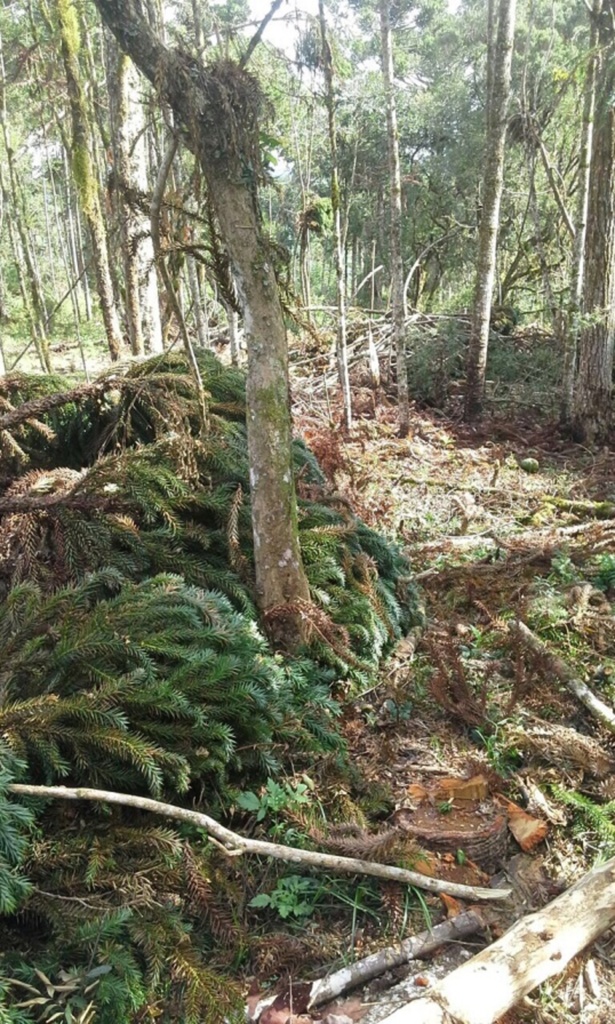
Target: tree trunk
[(592, 414), (218, 109), (42, 350), (29, 282), (536, 948), (83, 173), (142, 300), (499, 79), (583, 183), (340, 277), (198, 310), (397, 266), (233, 333)]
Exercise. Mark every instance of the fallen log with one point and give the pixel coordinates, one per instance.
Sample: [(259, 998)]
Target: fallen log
[(413, 948), (563, 672), (234, 845), (536, 948)]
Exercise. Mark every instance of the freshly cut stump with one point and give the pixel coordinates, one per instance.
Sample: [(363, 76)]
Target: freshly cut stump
[(480, 832)]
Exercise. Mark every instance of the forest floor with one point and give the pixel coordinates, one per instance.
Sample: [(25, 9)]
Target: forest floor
[(470, 745), (468, 729)]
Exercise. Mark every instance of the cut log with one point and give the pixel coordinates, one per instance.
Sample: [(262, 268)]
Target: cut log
[(536, 948)]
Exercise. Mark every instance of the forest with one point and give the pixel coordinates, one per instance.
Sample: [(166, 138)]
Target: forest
[(307, 520)]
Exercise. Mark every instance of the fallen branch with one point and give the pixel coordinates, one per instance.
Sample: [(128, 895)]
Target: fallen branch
[(598, 509), (533, 539), (45, 502), (233, 845), (39, 406), (536, 948), (414, 948), (562, 671)]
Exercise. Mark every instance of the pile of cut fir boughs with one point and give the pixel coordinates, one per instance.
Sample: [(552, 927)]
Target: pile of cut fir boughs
[(465, 748)]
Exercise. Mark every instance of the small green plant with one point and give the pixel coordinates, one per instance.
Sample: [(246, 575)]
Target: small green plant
[(461, 857), (293, 896), (398, 710), (605, 577), (563, 569), (445, 807), (476, 644), (275, 798), (503, 758), (598, 818)]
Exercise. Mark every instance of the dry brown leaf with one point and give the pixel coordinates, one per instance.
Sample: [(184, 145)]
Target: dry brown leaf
[(527, 830), (453, 906), (417, 792)]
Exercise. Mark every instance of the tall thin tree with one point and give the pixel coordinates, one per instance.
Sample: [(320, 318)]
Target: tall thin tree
[(395, 203), (572, 323), (217, 109), (340, 276), (83, 172), (131, 181), (592, 400), (498, 91)]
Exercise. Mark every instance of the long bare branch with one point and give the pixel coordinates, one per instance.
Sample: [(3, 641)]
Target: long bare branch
[(234, 845), (413, 948), (256, 38)]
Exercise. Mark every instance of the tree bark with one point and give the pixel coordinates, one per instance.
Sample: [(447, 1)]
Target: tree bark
[(83, 173), (218, 110), (397, 266), (493, 182), (536, 948), (592, 413), (340, 277)]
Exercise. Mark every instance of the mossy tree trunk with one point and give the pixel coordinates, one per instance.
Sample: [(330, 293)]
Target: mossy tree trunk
[(498, 79), (218, 110), (83, 172), (592, 400)]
